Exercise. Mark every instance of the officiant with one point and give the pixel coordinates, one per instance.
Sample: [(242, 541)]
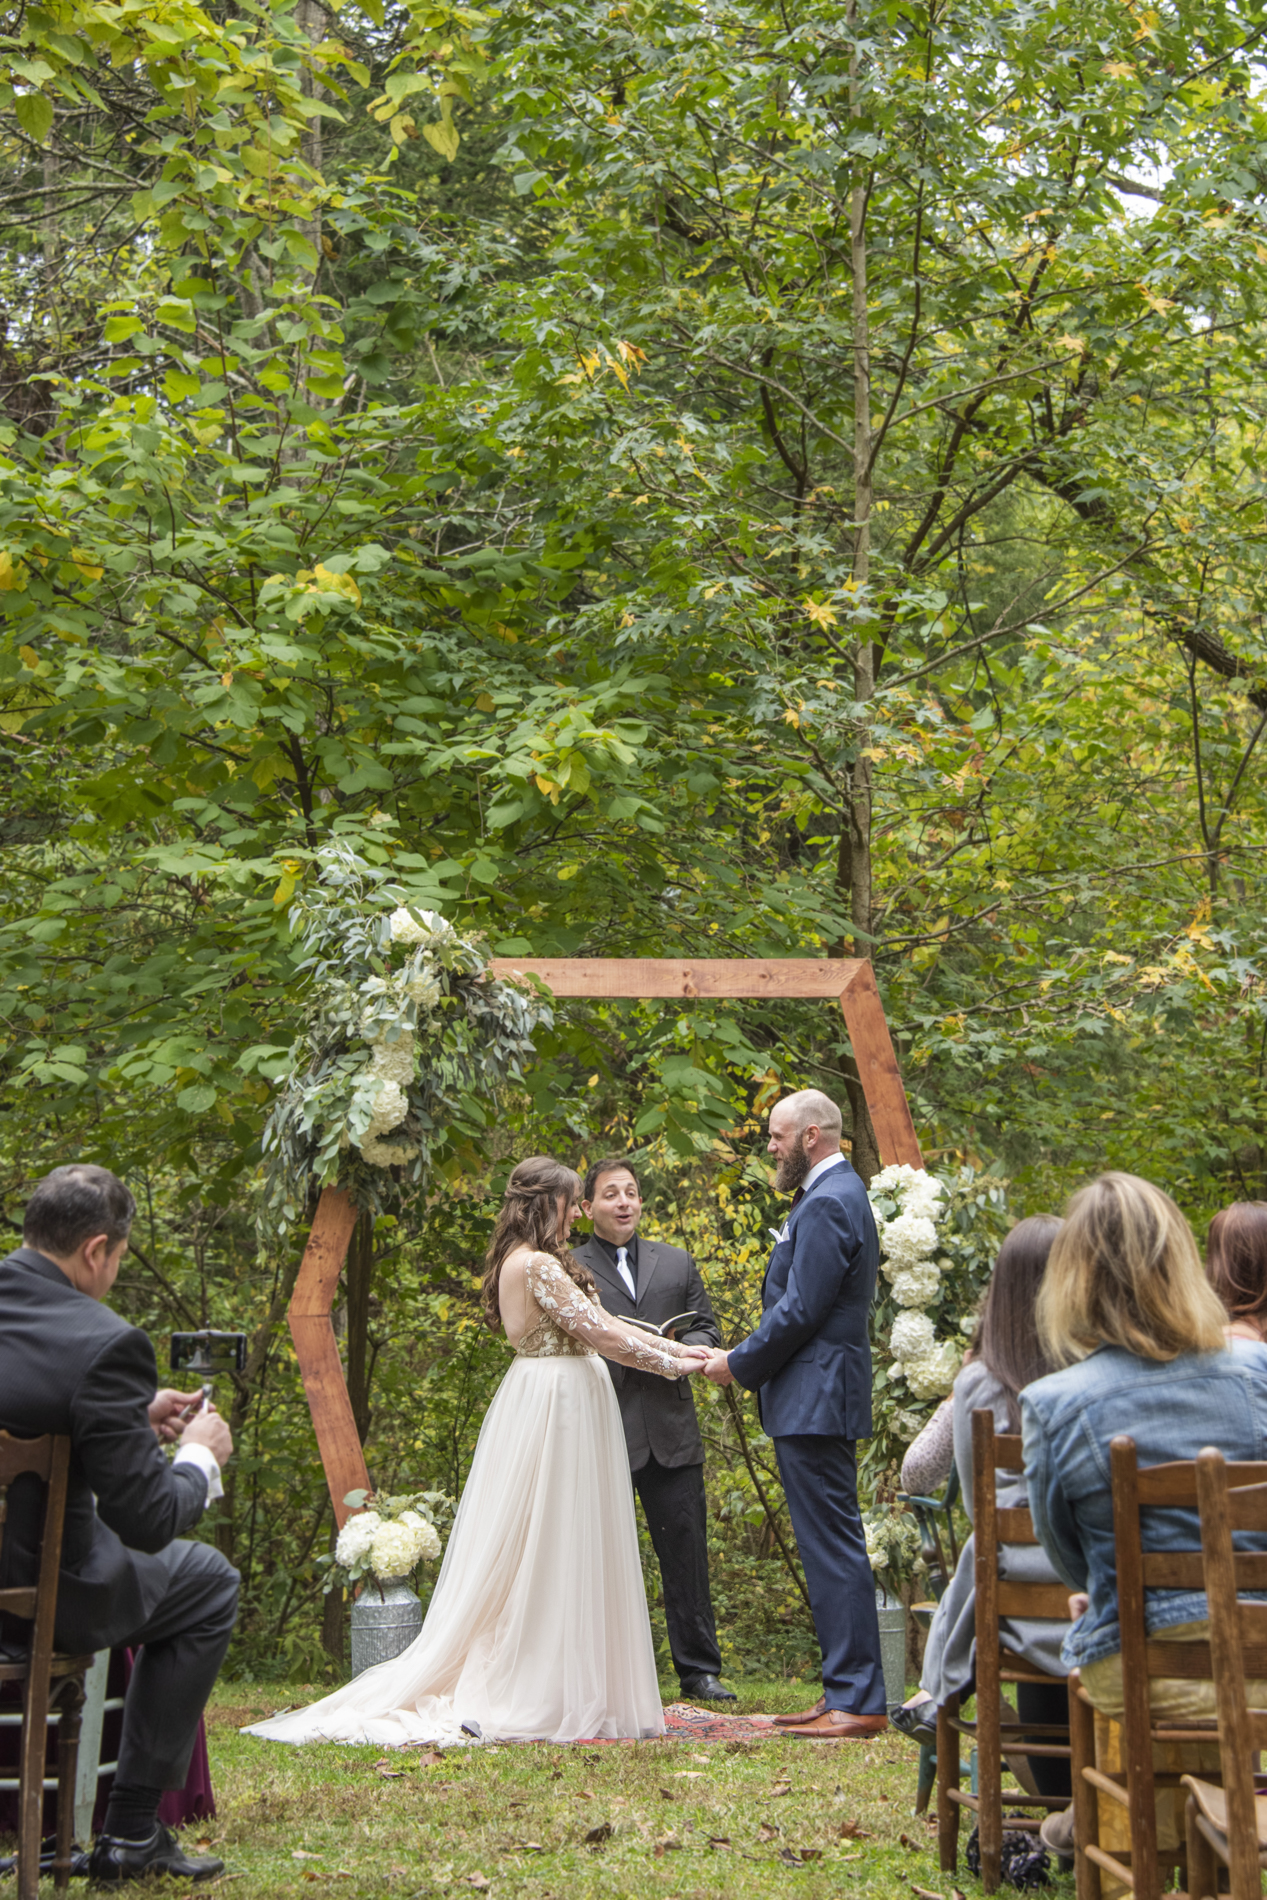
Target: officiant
[(652, 1281)]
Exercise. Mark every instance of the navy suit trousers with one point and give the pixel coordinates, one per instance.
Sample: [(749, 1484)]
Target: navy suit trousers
[(820, 1482)]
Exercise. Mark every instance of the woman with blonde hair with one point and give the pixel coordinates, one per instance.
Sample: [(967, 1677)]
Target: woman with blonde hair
[(538, 1626), (1126, 1311)]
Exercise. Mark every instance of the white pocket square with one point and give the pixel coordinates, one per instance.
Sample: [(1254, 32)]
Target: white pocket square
[(778, 1234)]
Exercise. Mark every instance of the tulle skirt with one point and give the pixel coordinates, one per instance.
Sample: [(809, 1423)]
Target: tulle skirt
[(538, 1626)]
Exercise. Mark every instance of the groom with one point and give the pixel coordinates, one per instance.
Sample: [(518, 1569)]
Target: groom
[(666, 1453), (809, 1362)]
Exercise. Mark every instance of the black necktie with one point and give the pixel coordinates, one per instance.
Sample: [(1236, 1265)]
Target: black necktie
[(798, 1197)]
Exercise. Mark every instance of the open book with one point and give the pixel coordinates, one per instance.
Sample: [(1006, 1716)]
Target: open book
[(679, 1322)]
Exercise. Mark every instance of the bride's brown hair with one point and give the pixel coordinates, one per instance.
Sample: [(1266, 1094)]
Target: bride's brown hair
[(530, 1218)]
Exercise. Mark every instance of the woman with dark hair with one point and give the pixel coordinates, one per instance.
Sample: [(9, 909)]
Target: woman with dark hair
[(1236, 1264), (538, 1626), (1007, 1357)]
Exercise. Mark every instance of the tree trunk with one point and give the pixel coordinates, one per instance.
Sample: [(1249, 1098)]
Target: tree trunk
[(358, 1274), (856, 845)]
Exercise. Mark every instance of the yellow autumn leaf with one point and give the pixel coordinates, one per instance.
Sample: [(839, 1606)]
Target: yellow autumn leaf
[(484, 703), (791, 717), (285, 891), (89, 568), (29, 657), (1118, 69), (337, 584), (819, 612), (12, 574)]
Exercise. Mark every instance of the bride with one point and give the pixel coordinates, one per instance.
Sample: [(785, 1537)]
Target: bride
[(538, 1625)]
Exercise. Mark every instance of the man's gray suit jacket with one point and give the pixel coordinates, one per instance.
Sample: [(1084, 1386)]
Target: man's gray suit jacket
[(658, 1414)]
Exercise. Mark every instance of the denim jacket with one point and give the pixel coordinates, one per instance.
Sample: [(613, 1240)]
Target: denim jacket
[(1173, 1410)]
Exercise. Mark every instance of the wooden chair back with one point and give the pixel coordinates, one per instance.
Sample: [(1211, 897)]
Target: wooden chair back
[(1238, 1646), (1134, 1491), (993, 1527), (47, 1459)]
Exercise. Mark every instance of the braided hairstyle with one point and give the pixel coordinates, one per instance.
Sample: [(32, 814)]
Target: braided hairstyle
[(529, 1217)]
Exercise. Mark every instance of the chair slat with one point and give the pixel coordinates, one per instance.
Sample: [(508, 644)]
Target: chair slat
[(1176, 1484), (18, 1603), (1173, 1569), (1008, 1453), (1247, 1507), (1033, 1599), (1015, 1526), (20, 1455)]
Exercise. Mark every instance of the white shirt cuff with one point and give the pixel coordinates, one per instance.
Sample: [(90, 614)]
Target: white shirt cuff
[(205, 1460)]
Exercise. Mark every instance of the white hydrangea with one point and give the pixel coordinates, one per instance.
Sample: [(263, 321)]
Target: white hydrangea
[(896, 1177), (406, 928), (912, 1336), (917, 1285), (932, 1376), (907, 1240), (390, 1106), (387, 1154), (357, 1537), (393, 1061), (423, 988), (427, 1534), (396, 1550), (877, 1549)]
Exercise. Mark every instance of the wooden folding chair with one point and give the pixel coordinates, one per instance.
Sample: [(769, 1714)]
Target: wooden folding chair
[(1227, 1825), (50, 1682), (1134, 1788), (996, 1665)]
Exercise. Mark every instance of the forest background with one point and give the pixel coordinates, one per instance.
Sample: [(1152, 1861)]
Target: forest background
[(659, 478)]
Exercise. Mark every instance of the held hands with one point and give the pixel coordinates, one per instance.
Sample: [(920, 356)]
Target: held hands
[(718, 1368), (693, 1359)]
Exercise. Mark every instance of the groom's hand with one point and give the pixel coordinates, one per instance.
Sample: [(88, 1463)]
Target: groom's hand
[(718, 1368)]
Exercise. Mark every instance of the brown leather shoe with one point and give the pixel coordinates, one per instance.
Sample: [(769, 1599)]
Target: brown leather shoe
[(799, 1721), (839, 1725)]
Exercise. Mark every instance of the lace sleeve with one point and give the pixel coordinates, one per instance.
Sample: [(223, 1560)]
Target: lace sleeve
[(557, 1294)]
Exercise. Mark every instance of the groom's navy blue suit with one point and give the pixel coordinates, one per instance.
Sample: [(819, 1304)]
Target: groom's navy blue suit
[(810, 1363)]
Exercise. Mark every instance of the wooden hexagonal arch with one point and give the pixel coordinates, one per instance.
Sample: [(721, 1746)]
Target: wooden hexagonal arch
[(849, 981)]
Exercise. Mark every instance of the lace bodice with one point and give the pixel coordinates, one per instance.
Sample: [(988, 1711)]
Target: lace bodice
[(573, 1323)]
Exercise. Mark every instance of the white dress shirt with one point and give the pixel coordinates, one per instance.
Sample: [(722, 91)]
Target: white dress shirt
[(205, 1459), (820, 1168)]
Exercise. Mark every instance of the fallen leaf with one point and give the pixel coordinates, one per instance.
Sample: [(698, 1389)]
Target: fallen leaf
[(781, 1787), (597, 1835), (688, 1774), (309, 1875), (391, 1774), (583, 1794), (703, 1758), (851, 1831), (667, 1846), (719, 1840), (765, 1832), (301, 1853), (668, 1794), (430, 1758), (925, 1893), (845, 1858), (810, 1853), (789, 1858), (478, 1880)]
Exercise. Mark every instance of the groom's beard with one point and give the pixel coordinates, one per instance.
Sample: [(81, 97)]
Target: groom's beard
[(791, 1169)]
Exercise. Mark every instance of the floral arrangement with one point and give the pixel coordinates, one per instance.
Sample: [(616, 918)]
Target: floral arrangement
[(404, 1031), (387, 1538), (939, 1235), (908, 1203)]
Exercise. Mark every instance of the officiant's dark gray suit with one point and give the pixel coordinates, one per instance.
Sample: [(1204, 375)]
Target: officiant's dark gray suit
[(666, 1452)]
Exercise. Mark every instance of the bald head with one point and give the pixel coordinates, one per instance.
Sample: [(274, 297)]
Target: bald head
[(804, 1130)]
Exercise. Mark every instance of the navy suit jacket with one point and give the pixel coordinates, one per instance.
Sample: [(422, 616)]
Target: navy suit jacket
[(810, 1358)]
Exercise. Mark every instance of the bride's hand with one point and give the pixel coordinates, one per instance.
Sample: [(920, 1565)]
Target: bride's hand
[(693, 1359)]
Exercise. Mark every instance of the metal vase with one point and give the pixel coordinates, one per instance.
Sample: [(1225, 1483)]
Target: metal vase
[(383, 1624), (892, 1614)]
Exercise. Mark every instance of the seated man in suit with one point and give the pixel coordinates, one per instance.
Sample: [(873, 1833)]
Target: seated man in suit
[(69, 1365), (666, 1453)]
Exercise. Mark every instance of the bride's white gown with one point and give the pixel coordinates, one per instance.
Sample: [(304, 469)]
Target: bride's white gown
[(538, 1625)]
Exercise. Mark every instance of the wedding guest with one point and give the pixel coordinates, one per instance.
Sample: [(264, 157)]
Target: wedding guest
[(1007, 1357), (1126, 1311), (71, 1366), (809, 1362), (1236, 1262), (651, 1281)]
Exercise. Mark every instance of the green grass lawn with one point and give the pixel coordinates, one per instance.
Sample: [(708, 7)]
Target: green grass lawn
[(668, 1817)]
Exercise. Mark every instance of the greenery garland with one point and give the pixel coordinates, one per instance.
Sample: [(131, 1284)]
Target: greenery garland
[(405, 1037)]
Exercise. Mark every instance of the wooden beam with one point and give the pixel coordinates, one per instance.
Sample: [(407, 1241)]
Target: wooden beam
[(878, 1071), (317, 1349), (750, 977)]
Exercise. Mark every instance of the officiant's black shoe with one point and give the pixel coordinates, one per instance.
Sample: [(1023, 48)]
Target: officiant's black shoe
[(707, 1689), (112, 1862)]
